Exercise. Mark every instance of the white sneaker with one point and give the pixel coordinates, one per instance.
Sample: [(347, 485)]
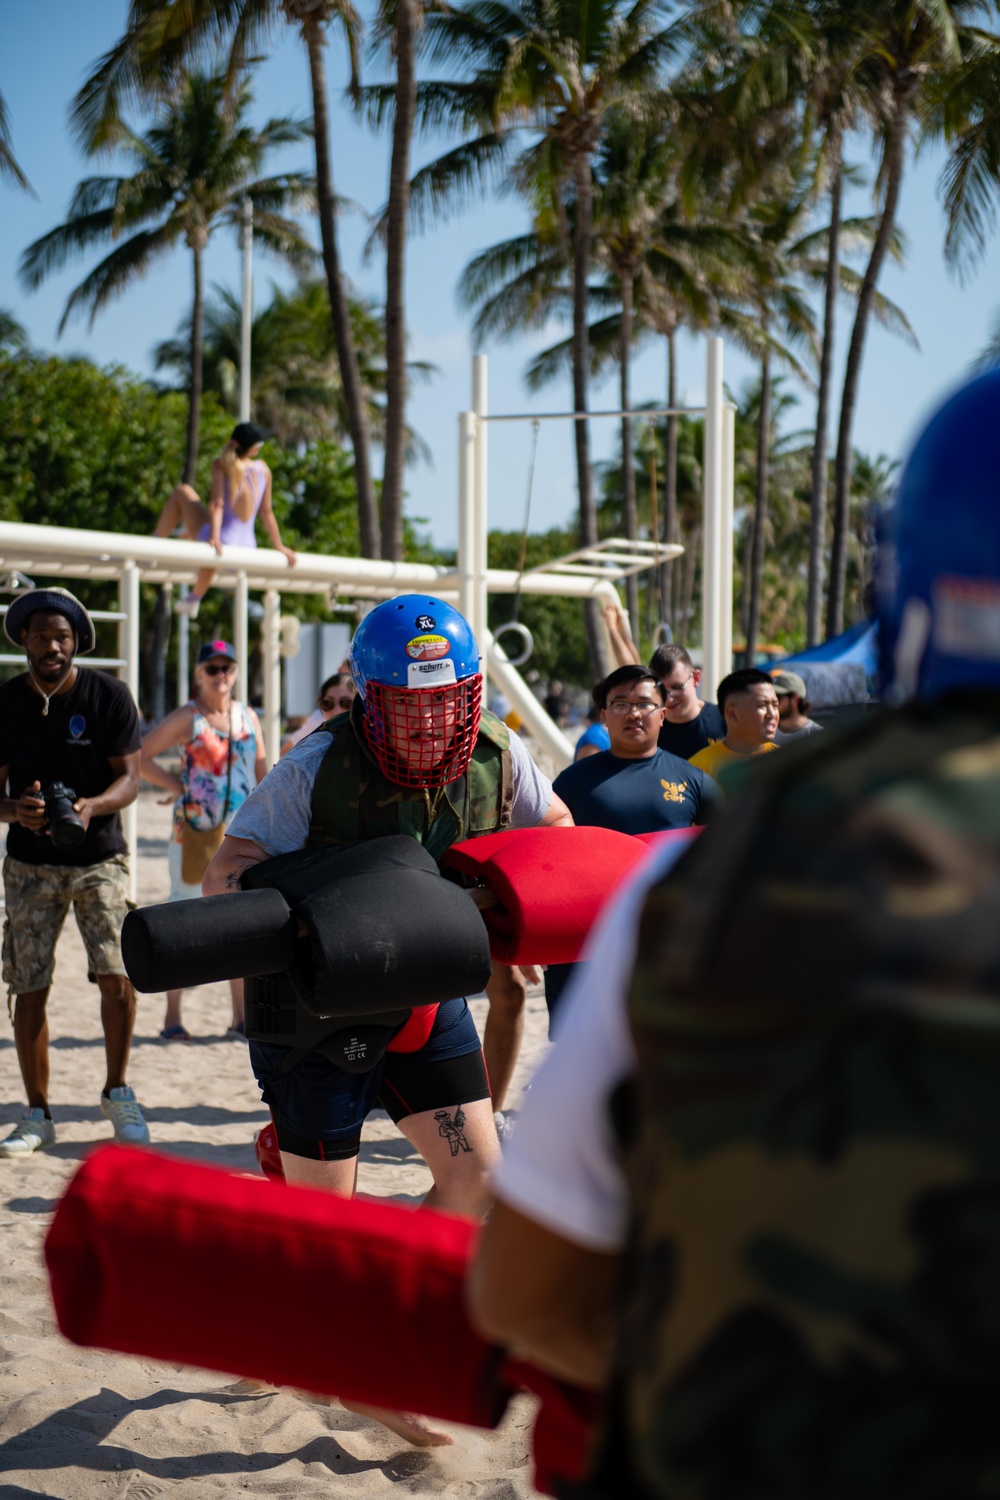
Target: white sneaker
[(504, 1126), (126, 1116), (189, 606), (32, 1133)]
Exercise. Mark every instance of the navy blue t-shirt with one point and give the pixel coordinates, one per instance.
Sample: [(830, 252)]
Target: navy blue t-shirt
[(634, 796), (687, 739)]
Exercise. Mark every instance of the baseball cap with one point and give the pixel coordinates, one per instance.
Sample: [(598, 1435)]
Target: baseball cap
[(211, 649), (57, 601), (247, 434), (788, 682)]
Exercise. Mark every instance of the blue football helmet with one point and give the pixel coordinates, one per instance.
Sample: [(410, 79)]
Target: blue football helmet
[(416, 666), (939, 573)]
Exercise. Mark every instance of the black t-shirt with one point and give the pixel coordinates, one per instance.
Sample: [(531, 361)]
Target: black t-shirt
[(634, 796), (687, 739), (95, 720)]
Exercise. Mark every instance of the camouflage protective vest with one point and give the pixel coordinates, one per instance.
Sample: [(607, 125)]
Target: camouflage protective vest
[(812, 1281), (353, 800)]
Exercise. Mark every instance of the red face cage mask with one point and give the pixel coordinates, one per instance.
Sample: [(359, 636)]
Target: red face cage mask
[(423, 736)]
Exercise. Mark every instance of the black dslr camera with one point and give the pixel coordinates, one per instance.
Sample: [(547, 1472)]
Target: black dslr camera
[(65, 826)]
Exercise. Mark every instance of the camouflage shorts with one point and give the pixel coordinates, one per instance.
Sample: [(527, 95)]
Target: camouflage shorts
[(38, 898)]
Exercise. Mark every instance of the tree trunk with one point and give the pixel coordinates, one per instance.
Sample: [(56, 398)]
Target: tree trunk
[(748, 536), (670, 533), (760, 509), (842, 468), (820, 478), (395, 271), (194, 373), (343, 334), (596, 641), (629, 516), (160, 641)]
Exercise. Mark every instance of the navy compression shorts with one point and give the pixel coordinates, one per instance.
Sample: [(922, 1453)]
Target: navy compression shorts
[(318, 1109)]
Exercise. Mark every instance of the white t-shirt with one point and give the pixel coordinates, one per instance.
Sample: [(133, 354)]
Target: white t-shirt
[(315, 719), (277, 814), (560, 1166)]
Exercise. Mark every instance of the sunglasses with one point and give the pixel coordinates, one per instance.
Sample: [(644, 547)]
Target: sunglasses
[(219, 668), (331, 703)]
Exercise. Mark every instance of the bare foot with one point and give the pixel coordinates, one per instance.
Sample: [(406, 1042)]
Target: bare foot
[(414, 1429)]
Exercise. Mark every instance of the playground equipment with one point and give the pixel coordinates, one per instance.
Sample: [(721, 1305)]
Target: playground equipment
[(68, 553)]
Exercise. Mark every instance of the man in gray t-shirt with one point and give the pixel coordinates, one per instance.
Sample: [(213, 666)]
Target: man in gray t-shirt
[(793, 709), (412, 730), (276, 816)]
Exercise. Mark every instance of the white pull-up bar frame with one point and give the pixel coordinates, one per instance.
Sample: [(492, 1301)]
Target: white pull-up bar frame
[(717, 530)]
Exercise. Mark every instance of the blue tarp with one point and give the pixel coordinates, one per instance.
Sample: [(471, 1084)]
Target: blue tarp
[(857, 644), (843, 670)]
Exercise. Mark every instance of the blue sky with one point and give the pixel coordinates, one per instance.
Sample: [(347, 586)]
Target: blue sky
[(46, 55)]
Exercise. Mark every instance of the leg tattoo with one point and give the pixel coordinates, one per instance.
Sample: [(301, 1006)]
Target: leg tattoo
[(453, 1131)]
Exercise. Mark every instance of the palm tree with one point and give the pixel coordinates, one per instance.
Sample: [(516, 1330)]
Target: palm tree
[(194, 168), (296, 388), (803, 54), (13, 335), (8, 162), (965, 111), (160, 36), (635, 172), (912, 45), (555, 72), (398, 25)]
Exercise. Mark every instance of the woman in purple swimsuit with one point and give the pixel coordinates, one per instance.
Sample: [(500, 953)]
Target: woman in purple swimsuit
[(241, 490)]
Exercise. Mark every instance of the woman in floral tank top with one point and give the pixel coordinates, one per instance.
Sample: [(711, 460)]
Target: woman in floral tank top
[(202, 730)]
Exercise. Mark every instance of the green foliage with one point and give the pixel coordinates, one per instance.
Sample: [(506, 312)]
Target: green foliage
[(555, 624), (100, 449), (94, 448), (193, 169)]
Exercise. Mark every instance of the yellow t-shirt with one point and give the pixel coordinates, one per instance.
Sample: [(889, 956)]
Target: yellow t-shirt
[(715, 759)]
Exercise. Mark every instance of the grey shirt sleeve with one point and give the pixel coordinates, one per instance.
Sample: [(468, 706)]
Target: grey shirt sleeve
[(532, 790), (278, 812)]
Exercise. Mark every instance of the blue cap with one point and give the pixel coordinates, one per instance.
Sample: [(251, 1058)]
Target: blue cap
[(212, 649)]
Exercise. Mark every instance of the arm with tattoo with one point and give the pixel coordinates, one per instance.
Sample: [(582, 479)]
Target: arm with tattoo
[(234, 856)]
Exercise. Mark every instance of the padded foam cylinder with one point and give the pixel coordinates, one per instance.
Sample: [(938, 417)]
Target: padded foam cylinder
[(346, 1298), (183, 943), (551, 884), (384, 928)]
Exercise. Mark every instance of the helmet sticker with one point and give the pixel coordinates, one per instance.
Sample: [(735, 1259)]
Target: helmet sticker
[(967, 617), (428, 647), (425, 622), (430, 674)]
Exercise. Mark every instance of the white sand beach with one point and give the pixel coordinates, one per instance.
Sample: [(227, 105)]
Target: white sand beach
[(80, 1424)]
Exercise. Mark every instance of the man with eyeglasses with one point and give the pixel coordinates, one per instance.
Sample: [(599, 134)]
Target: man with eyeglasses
[(635, 786), (689, 725)]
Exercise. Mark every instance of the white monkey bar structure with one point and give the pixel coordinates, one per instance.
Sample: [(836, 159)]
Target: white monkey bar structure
[(627, 557), (55, 552)]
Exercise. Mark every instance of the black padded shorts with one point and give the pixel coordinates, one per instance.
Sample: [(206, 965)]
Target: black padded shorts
[(318, 1109)]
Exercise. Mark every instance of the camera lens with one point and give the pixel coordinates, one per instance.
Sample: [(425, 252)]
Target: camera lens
[(65, 825)]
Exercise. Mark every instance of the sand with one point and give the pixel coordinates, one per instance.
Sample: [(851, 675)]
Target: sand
[(80, 1423)]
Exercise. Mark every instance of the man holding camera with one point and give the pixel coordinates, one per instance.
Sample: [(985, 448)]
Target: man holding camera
[(69, 757)]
